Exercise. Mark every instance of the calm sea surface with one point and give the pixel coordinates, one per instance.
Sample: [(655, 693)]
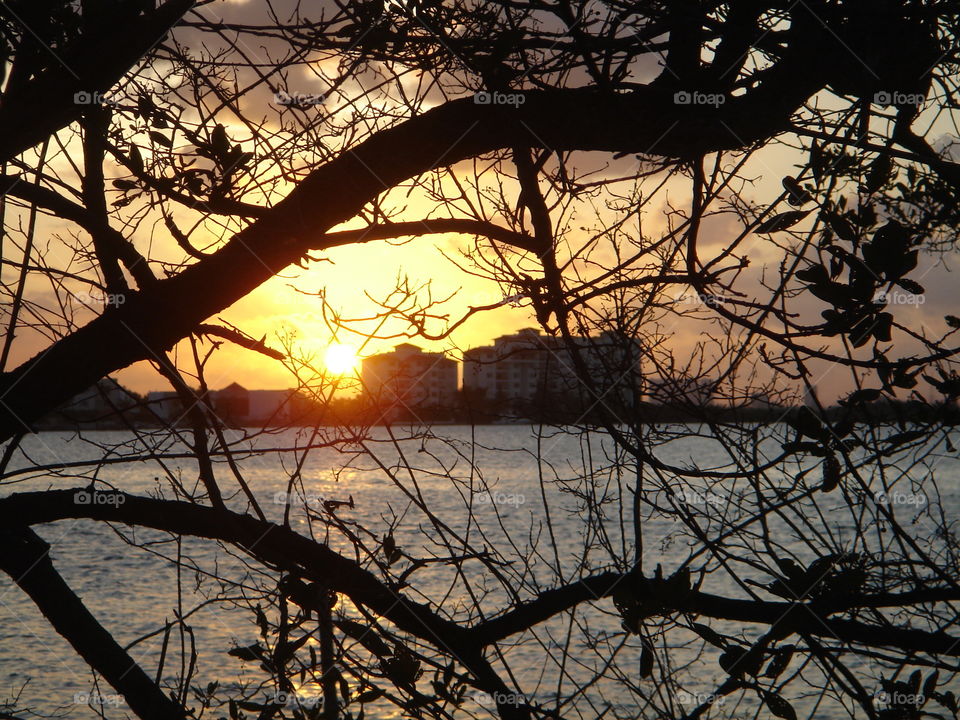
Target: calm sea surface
[(533, 486)]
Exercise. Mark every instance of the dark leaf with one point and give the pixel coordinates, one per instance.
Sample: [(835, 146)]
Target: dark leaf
[(738, 662), (841, 226), (816, 274), (781, 221), (710, 635), (779, 707), (145, 106), (403, 668), (136, 159), (219, 142), (862, 396), (646, 660), (862, 332), (161, 139), (365, 635), (805, 422), (904, 379), (797, 194), (369, 695), (914, 681), (911, 286), (882, 327), (905, 437), (790, 569), (879, 173), (250, 652), (390, 549), (779, 662), (831, 473)]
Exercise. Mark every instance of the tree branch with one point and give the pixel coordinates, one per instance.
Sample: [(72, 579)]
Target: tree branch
[(25, 557), (646, 120)]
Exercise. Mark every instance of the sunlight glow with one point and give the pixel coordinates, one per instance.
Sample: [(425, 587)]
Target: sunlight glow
[(341, 359)]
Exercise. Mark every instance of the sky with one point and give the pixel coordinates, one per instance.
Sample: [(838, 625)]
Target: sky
[(288, 310)]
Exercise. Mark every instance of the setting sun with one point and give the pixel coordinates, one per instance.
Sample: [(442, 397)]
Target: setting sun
[(341, 359)]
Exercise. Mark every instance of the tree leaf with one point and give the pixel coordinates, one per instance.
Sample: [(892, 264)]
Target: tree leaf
[(878, 173), (797, 194), (781, 221), (831, 473), (219, 141), (136, 158), (781, 659), (779, 707), (369, 695), (646, 660), (160, 139), (365, 635), (710, 635), (249, 652), (859, 397)]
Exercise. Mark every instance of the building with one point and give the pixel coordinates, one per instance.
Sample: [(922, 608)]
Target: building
[(106, 404), (106, 397), (409, 378), (530, 371), (234, 405)]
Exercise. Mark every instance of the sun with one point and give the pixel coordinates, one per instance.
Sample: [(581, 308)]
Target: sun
[(341, 359)]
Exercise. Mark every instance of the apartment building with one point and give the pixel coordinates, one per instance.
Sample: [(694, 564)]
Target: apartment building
[(531, 370), (410, 378)]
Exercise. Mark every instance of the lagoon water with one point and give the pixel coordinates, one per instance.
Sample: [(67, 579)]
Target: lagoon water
[(528, 500)]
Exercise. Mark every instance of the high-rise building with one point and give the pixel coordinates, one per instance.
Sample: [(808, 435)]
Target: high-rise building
[(410, 378), (528, 370)]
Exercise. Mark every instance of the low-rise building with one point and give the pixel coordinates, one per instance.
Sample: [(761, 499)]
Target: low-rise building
[(105, 404), (234, 405)]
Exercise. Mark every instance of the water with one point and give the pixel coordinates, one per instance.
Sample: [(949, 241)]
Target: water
[(528, 497)]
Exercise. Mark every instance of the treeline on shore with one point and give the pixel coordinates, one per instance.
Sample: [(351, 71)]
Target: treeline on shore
[(359, 411)]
